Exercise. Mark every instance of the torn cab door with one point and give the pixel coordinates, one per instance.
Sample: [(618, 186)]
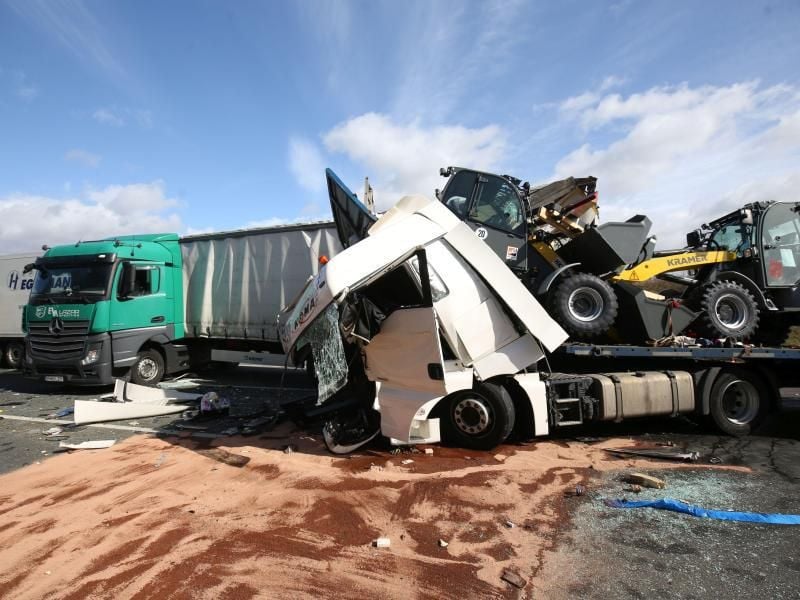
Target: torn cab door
[(407, 352)]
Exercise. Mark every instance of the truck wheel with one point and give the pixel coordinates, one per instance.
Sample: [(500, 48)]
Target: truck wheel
[(148, 368), (584, 305), (344, 433), (13, 354), (480, 418), (728, 310), (738, 402)]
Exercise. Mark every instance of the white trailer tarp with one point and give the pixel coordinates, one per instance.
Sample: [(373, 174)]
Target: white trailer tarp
[(235, 284), (14, 293)]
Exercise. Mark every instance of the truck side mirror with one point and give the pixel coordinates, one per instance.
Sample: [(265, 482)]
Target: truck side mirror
[(28, 268), (693, 239), (126, 280)]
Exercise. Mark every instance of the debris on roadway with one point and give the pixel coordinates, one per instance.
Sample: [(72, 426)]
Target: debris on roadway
[(90, 445), (645, 480)]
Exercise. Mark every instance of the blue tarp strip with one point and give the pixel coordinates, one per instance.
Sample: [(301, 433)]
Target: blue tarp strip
[(697, 511)]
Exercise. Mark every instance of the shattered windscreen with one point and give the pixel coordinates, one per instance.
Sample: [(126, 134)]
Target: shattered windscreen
[(330, 363)]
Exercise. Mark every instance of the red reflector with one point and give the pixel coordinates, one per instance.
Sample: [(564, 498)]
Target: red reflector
[(775, 269), (323, 260)]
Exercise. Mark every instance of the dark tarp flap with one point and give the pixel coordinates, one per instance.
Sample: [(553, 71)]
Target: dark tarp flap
[(351, 216)]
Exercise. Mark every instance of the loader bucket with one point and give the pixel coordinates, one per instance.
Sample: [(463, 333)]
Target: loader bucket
[(609, 246), (641, 318)]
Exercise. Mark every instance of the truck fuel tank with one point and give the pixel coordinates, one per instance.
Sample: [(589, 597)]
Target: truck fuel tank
[(638, 394)]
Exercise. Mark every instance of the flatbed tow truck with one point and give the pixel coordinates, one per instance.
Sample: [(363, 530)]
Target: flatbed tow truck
[(419, 332)]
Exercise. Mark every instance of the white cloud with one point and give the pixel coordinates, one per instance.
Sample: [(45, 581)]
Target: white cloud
[(684, 155), (119, 117), (17, 82), (83, 157), (27, 92), (28, 221), (306, 164), (405, 158), (108, 117)]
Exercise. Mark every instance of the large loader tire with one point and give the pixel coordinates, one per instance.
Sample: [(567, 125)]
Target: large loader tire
[(480, 418), (728, 310), (584, 305)]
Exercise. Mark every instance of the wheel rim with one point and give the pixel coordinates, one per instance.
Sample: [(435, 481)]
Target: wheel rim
[(147, 368), (586, 304), (472, 415), (740, 402), (731, 311), (15, 354)]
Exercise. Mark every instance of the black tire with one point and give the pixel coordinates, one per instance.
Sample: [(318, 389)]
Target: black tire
[(148, 368), (13, 355), (738, 402), (728, 310), (480, 418), (584, 305)]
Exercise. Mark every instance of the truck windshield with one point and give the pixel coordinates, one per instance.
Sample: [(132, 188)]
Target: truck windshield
[(87, 281), (781, 242)]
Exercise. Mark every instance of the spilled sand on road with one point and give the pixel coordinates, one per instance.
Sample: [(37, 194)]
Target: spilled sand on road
[(152, 517)]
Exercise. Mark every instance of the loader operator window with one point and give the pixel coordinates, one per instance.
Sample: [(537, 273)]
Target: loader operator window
[(499, 206), (458, 191), (733, 236), (781, 241)]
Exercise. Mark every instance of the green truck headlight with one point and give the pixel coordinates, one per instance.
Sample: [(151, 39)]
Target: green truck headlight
[(92, 356)]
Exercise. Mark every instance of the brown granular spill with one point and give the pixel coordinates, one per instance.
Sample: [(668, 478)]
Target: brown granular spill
[(294, 525), (267, 471), (40, 526)]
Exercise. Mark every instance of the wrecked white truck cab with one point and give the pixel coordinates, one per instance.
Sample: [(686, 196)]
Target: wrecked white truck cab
[(421, 333)]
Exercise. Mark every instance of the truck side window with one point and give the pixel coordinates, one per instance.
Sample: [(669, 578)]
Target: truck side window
[(499, 206), (146, 281)]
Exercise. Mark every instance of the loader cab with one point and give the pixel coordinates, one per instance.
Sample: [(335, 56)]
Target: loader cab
[(492, 207), (780, 245)]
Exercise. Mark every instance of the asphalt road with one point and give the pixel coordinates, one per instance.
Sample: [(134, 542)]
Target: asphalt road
[(600, 552), (27, 409), (610, 553)]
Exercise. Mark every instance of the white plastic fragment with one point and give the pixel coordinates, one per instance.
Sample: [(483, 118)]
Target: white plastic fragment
[(443, 544), (407, 461), (428, 450), (510, 524), (90, 445), (382, 542)]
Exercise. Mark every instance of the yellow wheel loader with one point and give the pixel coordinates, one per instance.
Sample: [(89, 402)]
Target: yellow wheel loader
[(591, 277)]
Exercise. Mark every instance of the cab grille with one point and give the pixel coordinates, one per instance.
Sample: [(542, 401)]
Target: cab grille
[(69, 344)]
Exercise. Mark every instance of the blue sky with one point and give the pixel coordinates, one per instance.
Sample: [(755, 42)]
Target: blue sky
[(201, 116)]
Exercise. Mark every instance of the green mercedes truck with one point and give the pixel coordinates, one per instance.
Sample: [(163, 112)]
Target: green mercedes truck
[(157, 304)]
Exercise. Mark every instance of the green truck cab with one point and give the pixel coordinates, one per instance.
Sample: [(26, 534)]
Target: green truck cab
[(98, 309)]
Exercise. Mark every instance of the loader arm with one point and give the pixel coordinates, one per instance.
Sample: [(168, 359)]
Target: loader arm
[(674, 262)]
